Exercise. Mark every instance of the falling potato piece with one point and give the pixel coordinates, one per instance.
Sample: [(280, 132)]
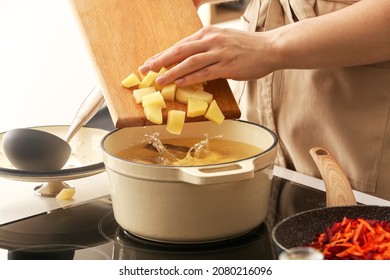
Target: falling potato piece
[(153, 113), (66, 194), (196, 108), (175, 122), (214, 113), (130, 81)]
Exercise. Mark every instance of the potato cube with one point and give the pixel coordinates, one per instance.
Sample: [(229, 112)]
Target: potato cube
[(153, 113), (66, 194), (141, 92), (175, 122), (141, 75), (168, 92), (154, 84), (202, 95), (198, 86), (184, 93), (148, 80), (196, 108), (214, 113), (162, 71), (153, 99), (130, 81)]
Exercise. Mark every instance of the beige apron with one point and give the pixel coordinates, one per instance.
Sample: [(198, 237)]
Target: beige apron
[(346, 110)]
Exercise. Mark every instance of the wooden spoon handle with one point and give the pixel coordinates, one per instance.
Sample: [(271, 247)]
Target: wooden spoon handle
[(338, 188)]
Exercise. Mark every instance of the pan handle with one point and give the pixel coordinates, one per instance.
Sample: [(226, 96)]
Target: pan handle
[(338, 188)]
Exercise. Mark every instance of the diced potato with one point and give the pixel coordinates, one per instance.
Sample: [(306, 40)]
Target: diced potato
[(214, 113), (175, 122), (162, 71), (184, 93), (157, 86), (66, 194), (168, 92), (141, 75), (196, 108), (153, 113), (130, 81), (153, 99), (148, 80), (202, 95), (139, 93), (198, 86)]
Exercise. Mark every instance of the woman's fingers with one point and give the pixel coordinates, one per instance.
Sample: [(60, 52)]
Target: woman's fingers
[(209, 54), (193, 69), (187, 47), (173, 56)]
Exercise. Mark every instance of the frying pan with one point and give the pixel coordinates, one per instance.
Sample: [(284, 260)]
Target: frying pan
[(300, 229)]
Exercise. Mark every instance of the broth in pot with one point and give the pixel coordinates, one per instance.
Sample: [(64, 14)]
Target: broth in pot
[(187, 151)]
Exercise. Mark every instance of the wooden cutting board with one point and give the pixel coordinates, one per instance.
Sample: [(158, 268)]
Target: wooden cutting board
[(122, 34)]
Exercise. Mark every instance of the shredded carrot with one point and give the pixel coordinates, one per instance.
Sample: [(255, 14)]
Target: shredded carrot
[(358, 239)]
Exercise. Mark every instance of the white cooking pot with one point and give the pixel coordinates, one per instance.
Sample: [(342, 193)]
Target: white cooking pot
[(191, 204)]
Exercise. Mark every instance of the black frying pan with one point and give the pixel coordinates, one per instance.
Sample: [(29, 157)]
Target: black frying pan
[(300, 229)]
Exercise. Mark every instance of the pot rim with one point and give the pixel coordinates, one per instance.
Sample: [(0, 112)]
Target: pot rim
[(272, 147)]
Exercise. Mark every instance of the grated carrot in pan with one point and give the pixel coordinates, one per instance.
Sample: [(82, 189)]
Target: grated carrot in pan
[(357, 239)]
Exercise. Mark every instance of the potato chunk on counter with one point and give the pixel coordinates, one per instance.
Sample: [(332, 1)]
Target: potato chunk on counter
[(65, 194)]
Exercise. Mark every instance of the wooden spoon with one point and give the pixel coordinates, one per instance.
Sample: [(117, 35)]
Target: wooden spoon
[(338, 189)]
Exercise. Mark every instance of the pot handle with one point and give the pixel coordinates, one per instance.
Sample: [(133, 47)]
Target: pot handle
[(203, 175)]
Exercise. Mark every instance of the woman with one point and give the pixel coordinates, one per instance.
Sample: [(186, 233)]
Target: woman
[(316, 72)]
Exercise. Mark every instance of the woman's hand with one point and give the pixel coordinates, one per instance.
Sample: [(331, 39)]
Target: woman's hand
[(213, 53)]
